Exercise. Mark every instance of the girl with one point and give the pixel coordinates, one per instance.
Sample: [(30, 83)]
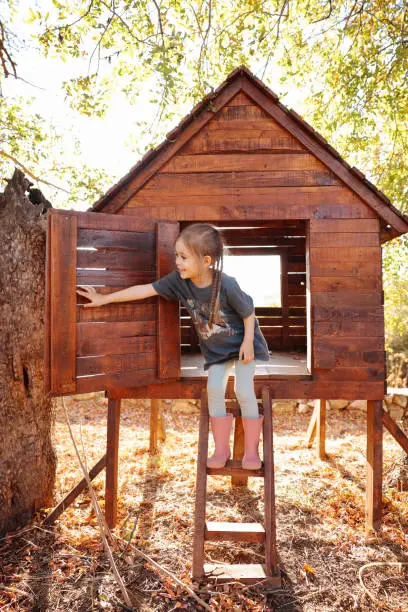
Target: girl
[(228, 332)]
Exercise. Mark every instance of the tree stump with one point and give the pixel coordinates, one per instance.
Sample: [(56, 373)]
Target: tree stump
[(27, 455)]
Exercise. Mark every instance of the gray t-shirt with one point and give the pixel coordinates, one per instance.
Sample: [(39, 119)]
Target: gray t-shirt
[(223, 341)]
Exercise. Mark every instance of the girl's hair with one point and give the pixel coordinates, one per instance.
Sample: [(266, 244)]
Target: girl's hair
[(203, 239)]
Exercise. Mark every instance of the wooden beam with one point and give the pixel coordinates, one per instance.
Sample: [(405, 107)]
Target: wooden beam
[(201, 490), (112, 452), (395, 431), (311, 430), (63, 253), (374, 464), (269, 486), (320, 428), (73, 494), (238, 452)]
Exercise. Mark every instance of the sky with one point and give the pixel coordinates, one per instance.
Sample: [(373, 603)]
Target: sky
[(104, 142)]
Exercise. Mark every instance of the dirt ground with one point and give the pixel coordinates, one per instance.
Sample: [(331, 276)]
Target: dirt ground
[(322, 543)]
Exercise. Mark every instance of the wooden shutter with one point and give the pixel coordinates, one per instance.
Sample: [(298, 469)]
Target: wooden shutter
[(122, 344)]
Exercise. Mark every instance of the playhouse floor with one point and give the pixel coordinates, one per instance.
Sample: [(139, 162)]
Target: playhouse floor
[(282, 364)]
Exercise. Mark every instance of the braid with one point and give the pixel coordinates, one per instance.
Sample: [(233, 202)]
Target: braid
[(216, 289)]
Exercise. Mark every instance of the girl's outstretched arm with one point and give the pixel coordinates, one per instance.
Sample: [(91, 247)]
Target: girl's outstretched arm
[(135, 292)]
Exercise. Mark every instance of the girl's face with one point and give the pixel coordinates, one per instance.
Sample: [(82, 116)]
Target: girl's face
[(187, 262)]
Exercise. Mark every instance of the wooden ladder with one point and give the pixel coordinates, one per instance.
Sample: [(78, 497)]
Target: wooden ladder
[(236, 532)]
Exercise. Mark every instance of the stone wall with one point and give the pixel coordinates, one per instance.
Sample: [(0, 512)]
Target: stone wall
[(397, 369)]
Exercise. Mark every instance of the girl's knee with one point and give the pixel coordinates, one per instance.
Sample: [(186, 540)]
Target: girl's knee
[(244, 393)]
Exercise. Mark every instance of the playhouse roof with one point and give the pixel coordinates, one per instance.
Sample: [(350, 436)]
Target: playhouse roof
[(288, 118)]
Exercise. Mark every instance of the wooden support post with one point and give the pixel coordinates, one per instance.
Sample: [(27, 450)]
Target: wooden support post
[(161, 425), (320, 407), (73, 494), (155, 406), (201, 490), (112, 451), (374, 464), (269, 484), (238, 452), (311, 430), (395, 431)]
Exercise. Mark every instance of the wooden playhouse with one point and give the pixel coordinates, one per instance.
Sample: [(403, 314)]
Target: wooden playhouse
[(244, 162)]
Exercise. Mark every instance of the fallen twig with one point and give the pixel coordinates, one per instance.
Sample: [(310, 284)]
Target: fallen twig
[(103, 527), (375, 564), (167, 572)]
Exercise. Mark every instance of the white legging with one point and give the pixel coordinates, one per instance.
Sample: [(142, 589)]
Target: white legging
[(218, 374)]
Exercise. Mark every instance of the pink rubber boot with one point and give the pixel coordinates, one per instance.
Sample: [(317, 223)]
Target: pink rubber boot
[(221, 431), (252, 430)]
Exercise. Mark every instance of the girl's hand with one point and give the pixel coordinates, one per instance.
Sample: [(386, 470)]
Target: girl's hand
[(246, 351), (97, 299)]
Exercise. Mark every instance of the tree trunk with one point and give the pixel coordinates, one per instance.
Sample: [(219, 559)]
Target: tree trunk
[(27, 454)]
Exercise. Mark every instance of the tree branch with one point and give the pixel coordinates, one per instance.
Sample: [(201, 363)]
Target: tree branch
[(30, 174)]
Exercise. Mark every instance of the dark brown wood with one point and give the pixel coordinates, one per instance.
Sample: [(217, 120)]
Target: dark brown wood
[(354, 226), (271, 566), (63, 230), (73, 494), (112, 454), (238, 451), (201, 490), (168, 332), (213, 182), (323, 154), (395, 431), (284, 297), (290, 387), (305, 198), (374, 464), (269, 205), (100, 221), (238, 162), (47, 312)]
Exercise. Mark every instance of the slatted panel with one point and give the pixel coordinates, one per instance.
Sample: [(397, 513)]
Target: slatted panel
[(119, 339), (348, 316), (61, 292), (113, 345)]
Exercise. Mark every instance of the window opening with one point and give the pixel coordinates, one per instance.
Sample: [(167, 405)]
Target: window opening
[(257, 275)]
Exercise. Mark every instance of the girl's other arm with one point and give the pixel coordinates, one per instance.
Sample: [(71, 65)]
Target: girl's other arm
[(136, 292)]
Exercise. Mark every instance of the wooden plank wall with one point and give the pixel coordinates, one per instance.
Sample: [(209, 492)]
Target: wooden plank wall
[(243, 167), (117, 342), (346, 299)]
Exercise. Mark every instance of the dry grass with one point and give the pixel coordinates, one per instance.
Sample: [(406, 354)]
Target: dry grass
[(322, 543)]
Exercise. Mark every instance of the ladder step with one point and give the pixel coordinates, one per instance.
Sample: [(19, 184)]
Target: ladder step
[(247, 573), (234, 532), (234, 468)]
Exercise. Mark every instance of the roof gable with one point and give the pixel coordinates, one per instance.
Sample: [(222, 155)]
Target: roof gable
[(241, 82)]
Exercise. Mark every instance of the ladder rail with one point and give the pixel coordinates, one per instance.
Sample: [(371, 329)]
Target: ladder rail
[(269, 486), (201, 490)]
